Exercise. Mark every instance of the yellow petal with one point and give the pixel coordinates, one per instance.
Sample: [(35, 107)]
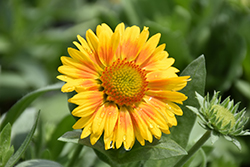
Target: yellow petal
[(87, 108), (99, 121), (86, 97), (157, 55), (148, 48), (168, 96), (112, 115), (94, 138), (103, 28), (83, 122), (71, 62), (92, 39), (162, 74), (86, 131), (160, 65), (175, 83)]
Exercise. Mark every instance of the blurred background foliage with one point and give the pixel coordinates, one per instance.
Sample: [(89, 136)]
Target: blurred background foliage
[(35, 33)]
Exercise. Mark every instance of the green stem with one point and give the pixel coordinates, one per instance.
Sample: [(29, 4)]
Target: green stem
[(193, 150), (75, 155)]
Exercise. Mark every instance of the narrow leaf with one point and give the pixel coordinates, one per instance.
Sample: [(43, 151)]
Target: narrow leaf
[(14, 159), (18, 108), (6, 156), (5, 138), (236, 143)]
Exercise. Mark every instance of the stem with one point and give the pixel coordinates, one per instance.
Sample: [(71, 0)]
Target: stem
[(75, 155), (193, 150)]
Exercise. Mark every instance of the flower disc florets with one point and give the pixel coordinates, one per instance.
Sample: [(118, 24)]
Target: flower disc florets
[(222, 118), (124, 82)]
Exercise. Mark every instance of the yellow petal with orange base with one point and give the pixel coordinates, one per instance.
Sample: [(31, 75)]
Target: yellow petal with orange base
[(148, 48), (107, 47), (175, 83), (111, 119), (167, 96), (160, 65), (86, 97), (87, 109), (162, 74), (157, 55), (99, 121), (125, 131), (141, 125)]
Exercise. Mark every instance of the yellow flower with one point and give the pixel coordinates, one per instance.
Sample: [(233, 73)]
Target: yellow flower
[(126, 87)]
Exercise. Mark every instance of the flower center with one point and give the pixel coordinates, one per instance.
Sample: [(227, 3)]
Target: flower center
[(124, 82), (225, 115)]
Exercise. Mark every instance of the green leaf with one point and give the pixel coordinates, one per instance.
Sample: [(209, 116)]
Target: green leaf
[(17, 109), (54, 146), (39, 163), (197, 71), (158, 149), (5, 138), (7, 155), (214, 136), (235, 141), (14, 159), (180, 134), (195, 110)]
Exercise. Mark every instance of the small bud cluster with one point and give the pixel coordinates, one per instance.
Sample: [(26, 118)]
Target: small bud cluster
[(222, 118)]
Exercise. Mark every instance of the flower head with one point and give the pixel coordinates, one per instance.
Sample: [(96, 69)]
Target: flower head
[(126, 86), (222, 118)]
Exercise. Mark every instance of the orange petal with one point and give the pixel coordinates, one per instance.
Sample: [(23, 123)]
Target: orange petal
[(84, 58), (139, 122), (148, 48), (128, 47), (167, 110), (157, 55), (125, 131), (153, 115), (87, 84), (107, 47), (84, 47), (75, 73), (71, 62)]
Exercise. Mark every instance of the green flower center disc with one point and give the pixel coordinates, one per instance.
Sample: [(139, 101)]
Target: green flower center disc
[(225, 115)]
